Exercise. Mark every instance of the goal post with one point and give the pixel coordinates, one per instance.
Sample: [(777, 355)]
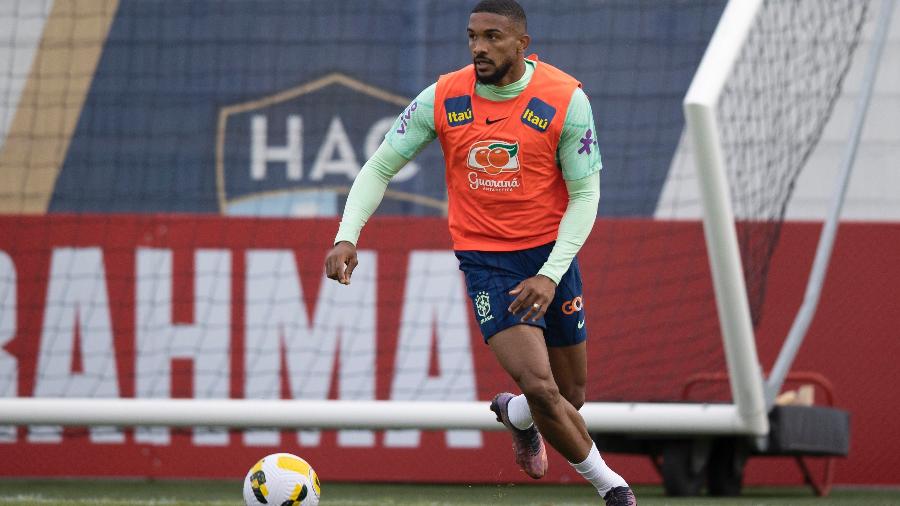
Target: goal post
[(700, 105), (754, 121)]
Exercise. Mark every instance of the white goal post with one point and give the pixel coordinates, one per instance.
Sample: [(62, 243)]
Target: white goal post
[(746, 416), (718, 217)]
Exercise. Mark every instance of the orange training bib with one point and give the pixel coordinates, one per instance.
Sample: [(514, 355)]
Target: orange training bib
[(506, 191)]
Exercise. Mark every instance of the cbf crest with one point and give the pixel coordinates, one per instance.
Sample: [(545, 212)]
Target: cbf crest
[(483, 307), (296, 152)]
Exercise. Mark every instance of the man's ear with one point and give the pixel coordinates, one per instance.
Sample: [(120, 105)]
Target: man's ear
[(524, 41)]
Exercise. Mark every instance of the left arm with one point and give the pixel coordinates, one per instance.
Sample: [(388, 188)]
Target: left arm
[(578, 155), (576, 225), (579, 159)]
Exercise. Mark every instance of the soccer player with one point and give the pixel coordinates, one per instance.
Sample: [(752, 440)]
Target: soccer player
[(522, 172)]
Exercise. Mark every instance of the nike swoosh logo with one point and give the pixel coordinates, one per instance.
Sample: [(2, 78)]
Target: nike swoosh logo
[(490, 121), (581, 324)]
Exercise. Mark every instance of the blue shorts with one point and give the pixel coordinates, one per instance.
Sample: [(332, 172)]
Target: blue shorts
[(490, 275)]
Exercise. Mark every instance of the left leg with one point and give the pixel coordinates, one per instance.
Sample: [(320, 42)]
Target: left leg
[(569, 365)]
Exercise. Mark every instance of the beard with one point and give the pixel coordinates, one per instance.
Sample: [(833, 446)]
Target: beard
[(496, 76)]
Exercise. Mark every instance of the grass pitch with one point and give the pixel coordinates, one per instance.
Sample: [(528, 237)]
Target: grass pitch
[(228, 493)]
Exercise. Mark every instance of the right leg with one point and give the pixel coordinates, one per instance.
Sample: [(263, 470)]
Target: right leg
[(568, 364), (522, 352)]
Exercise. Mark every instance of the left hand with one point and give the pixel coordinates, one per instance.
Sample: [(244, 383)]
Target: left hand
[(533, 294)]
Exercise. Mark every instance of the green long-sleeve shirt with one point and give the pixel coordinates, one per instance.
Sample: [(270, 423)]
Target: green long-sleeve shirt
[(581, 173)]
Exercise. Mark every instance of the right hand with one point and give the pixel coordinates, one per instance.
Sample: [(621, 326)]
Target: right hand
[(340, 262)]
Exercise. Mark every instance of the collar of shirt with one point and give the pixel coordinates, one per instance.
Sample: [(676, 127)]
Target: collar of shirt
[(512, 90)]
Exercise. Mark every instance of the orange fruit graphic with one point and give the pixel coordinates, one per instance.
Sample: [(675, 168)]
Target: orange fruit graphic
[(498, 157), (481, 156)]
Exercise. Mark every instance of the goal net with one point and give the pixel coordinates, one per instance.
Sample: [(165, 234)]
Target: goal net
[(172, 173)]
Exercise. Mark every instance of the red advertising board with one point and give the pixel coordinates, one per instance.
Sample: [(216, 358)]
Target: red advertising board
[(91, 293)]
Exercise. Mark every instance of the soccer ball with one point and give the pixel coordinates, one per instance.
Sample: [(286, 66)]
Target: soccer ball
[(282, 479)]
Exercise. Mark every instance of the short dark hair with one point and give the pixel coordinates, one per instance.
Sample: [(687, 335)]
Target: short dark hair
[(508, 8)]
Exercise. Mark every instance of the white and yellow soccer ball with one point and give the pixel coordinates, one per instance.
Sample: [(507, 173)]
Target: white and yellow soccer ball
[(282, 479)]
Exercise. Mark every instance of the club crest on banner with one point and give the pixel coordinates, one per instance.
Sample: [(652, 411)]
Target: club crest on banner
[(296, 152)]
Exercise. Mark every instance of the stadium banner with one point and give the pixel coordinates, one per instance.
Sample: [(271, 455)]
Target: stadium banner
[(218, 307)]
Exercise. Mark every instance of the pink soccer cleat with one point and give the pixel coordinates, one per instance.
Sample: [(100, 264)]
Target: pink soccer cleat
[(531, 455)]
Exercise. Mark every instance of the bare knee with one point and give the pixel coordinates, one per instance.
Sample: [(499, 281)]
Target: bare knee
[(542, 393)]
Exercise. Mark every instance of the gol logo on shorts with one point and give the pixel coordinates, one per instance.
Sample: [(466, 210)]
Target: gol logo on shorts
[(494, 157), (573, 306)]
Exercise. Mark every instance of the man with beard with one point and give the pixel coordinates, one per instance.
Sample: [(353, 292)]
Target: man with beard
[(523, 178)]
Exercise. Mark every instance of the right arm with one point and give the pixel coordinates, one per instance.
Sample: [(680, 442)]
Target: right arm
[(368, 190), (409, 134)]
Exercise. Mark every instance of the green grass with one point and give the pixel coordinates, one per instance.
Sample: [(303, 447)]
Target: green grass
[(227, 493)]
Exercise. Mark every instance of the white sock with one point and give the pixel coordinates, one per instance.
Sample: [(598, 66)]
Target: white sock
[(595, 470), (519, 413)]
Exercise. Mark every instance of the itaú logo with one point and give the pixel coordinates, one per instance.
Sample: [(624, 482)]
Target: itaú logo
[(494, 157)]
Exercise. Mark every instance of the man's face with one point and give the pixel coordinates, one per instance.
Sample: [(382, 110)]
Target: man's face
[(496, 43)]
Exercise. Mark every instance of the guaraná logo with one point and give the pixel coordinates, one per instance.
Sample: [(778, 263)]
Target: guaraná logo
[(494, 157)]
